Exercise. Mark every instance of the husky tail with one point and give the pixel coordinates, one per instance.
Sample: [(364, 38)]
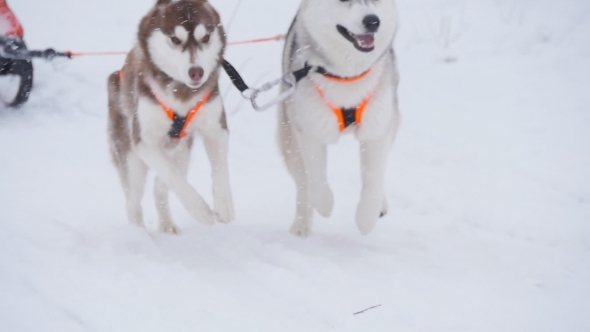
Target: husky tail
[(117, 122)]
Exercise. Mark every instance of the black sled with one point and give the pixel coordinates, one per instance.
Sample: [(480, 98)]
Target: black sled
[(19, 66)]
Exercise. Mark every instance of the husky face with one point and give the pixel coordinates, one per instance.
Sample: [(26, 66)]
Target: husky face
[(185, 40), (351, 25)]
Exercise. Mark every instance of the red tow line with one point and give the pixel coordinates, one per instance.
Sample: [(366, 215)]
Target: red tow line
[(251, 41)]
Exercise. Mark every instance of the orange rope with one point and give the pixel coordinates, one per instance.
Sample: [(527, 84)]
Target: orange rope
[(74, 54), (261, 40), (252, 41)]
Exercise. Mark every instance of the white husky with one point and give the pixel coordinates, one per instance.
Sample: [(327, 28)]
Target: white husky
[(351, 89), (166, 93)]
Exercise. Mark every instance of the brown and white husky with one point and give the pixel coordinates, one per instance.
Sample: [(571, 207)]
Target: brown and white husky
[(166, 94)]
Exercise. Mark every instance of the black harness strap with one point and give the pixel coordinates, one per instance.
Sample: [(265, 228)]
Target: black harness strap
[(235, 77), (241, 85), (349, 116), (302, 73), (177, 125)]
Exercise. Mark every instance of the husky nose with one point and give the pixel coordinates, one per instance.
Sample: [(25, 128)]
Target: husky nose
[(196, 73), (371, 23)]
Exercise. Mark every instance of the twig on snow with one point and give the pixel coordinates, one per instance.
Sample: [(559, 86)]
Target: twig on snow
[(363, 311)]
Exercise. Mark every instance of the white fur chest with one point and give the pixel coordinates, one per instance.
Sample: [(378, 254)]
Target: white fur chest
[(378, 116), (154, 123)]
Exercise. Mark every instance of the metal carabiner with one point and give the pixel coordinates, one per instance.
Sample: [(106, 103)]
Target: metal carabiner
[(268, 86)]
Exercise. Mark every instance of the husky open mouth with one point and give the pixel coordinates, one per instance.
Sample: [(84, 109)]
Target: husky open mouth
[(363, 43)]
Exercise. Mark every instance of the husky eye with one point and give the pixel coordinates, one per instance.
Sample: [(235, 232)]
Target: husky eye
[(206, 39), (175, 40)]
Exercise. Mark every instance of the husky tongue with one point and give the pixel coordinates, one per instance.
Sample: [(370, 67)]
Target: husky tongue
[(365, 41)]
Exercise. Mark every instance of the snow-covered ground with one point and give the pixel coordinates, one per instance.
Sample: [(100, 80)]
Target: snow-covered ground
[(489, 187)]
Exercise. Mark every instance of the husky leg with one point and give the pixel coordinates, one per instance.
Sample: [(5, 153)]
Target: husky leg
[(292, 155), (315, 158), (134, 188), (181, 158), (217, 147), (173, 177), (391, 137), (163, 207), (132, 170), (372, 204)]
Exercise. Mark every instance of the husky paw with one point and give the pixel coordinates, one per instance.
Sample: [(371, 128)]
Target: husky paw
[(367, 214), (168, 227), (301, 228), (137, 224), (322, 200), (135, 216), (224, 208), (198, 208), (208, 218), (202, 214)]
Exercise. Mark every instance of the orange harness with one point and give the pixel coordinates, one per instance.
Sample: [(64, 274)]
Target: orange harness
[(346, 116), (179, 123)]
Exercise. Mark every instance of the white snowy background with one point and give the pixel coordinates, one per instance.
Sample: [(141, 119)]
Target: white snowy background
[(488, 183)]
